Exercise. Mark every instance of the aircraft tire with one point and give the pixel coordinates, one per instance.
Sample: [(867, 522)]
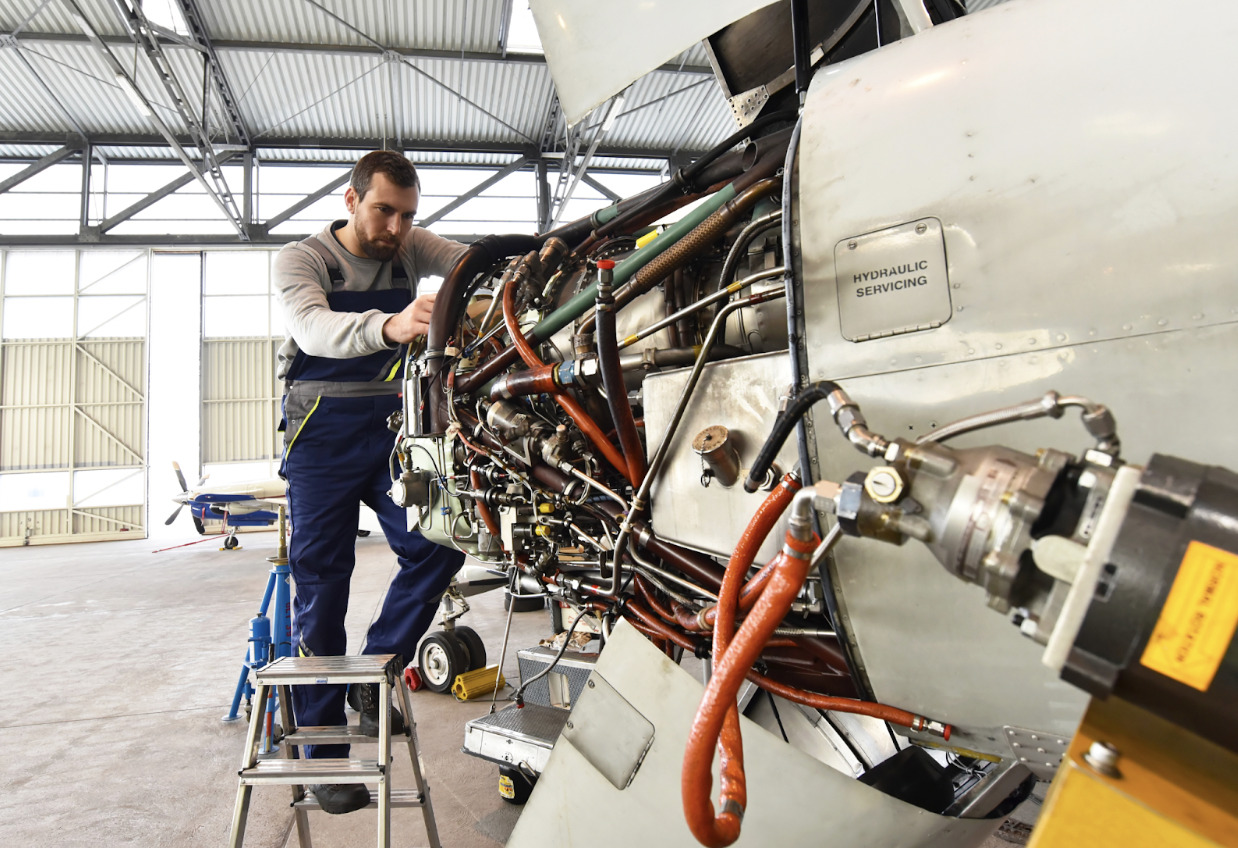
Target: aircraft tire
[(439, 659), (473, 646)]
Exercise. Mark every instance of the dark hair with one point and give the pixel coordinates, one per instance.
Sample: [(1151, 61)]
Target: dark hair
[(397, 168)]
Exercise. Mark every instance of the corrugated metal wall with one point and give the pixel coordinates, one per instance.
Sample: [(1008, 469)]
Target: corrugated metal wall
[(239, 400), (68, 406), (44, 382), (71, 408)]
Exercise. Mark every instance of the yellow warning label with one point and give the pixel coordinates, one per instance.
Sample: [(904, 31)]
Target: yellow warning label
[(506, 788), (1198, 620)]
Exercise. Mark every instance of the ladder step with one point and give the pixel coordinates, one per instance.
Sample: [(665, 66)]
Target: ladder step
[(312, 771), (399, 798), (367, 668), (334, 735)]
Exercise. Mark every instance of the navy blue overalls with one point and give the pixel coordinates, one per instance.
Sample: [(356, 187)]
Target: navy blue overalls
[(336, 456)]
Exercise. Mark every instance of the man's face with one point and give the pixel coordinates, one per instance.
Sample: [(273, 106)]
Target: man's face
[(382, 218)]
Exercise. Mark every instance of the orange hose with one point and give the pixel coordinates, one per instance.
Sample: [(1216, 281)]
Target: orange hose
[(718, 713), (729, 596), (569, 404), (839, 705), (723, 829)]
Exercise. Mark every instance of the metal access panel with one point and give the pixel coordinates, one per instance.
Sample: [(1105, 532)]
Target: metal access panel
[(787, 788), (892, 281), (742, 395)]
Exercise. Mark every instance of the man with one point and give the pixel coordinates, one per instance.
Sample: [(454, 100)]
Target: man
[(350, 310)]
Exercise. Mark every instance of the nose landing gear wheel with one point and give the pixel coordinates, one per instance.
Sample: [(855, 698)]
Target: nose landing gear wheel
[(473, 646), (440, 658)]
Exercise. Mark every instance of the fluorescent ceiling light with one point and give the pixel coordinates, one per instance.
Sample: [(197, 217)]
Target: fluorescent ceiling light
[(132, 93)]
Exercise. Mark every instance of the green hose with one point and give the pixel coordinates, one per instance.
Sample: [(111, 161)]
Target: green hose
[(625, 270)]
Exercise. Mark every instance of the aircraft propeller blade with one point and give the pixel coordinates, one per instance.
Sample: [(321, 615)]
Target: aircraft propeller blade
[(180, 477), (175, 513)]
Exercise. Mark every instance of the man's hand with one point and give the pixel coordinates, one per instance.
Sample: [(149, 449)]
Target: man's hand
[(414, 321)]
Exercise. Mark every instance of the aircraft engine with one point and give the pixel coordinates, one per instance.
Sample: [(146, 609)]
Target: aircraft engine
[(1003, 220)]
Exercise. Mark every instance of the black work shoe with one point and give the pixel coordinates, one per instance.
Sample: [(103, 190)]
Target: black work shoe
[(340, 798), (368, 697)]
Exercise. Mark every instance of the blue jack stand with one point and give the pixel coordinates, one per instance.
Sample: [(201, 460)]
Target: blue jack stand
[(266, 642)]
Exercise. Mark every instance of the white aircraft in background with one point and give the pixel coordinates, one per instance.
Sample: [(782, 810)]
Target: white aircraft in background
[(250, 504)]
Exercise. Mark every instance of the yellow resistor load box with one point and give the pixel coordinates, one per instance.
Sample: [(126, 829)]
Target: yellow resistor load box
[(480, 681)]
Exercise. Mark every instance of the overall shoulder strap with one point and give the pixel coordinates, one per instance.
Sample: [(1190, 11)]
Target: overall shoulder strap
[(333, 265)]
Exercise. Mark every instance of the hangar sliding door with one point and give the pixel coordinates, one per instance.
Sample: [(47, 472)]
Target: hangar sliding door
[(72, 395)]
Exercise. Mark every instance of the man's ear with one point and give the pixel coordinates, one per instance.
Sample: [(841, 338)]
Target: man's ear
[(350, 199)]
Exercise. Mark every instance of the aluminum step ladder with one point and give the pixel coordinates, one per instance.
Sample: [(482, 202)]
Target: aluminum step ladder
[(290, 769)]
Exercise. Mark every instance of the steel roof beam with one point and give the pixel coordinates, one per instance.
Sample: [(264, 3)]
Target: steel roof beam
[(139, 29), (164, 130), (226, 45), (309, 200), (150, 199), (422, 145), (193, 19), (473, 192), (188, 240), (37, 167), (601, 189)]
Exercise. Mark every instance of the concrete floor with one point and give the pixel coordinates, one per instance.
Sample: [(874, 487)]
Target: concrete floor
[(117, 664)]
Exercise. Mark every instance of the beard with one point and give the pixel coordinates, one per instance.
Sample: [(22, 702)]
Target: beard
[(381, 248)]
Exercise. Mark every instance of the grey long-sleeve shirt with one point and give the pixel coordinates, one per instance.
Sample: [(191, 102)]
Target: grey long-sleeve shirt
[(303, 283)]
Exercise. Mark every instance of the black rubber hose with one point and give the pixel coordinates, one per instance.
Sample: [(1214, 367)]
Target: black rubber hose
[(795, 296), (783, 426), (612, 381), (690, 173), (450, 304)]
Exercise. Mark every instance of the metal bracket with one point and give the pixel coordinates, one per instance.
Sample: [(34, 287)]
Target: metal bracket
[(1041, 752)]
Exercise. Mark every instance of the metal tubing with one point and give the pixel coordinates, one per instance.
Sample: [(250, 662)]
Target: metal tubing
[(655, 464), (1096, 418), (721, 294), (692, 244), (574, 410), (744, 240)]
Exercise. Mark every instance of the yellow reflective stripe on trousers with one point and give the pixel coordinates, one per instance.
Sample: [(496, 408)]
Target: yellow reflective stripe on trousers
[(303, 423)]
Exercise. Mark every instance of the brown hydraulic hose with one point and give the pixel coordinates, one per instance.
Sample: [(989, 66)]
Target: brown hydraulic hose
[(569, 404), (450, 306), (612, 377), (484, 373), (642, 588), (841, 705), (688, 247), (487, 517)]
